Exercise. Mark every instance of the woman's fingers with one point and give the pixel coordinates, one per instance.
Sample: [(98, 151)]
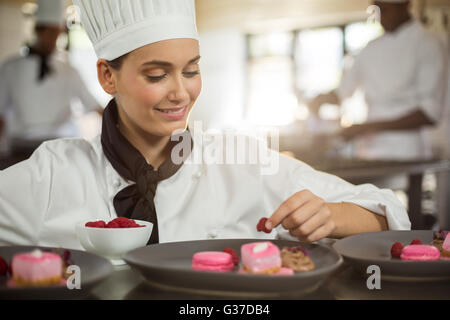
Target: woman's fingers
[(320, 233), (303, 214), (288, 207)]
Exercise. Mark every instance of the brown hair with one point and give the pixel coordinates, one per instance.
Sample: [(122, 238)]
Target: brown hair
[(116, 64)]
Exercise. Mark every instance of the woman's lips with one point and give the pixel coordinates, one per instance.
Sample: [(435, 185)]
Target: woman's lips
[(173, 113)]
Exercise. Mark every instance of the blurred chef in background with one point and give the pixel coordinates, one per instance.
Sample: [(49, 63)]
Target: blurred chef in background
[(403, 76), (38, 88)]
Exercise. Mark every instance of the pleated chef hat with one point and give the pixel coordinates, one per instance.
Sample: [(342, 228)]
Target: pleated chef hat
[(50, 12), (117, 27)]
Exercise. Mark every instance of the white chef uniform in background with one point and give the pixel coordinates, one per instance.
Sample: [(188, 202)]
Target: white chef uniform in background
[(39, 110), (70, 180), (399, 72)]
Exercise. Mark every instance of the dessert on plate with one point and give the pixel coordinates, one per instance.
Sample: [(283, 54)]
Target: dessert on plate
[(261, 257), (439, 248), (445, 248), (217, 261), (420, 252), (37, 268), (297, 259)]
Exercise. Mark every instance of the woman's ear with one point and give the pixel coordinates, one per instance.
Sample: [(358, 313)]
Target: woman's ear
[(106, 76)]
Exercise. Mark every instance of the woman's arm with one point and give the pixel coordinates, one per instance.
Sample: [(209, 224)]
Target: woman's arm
[(350, 219)]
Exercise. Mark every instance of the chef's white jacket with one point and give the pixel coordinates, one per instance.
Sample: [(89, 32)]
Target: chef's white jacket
[(399, 73), (70, 180), (41, 109)]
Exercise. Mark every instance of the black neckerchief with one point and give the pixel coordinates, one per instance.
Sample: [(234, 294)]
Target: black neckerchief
[(44, 67), (134, 201)]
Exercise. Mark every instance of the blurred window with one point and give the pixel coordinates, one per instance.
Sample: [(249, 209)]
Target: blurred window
[(285, 69), (271, 98), (358, 35), (319, 54)]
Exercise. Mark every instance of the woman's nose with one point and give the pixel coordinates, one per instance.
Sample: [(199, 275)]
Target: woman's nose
[(178, 92)]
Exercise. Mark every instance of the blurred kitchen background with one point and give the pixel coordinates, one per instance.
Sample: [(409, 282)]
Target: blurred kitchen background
[(262, 63)]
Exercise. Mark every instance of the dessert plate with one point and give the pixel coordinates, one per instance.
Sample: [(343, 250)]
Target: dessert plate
[(374, 248), (93, 269), (169, 265)]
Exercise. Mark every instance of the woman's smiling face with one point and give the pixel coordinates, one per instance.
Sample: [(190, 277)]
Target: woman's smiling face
[(157, 85)]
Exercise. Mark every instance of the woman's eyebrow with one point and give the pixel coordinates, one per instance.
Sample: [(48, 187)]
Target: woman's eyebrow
[(168, 64)]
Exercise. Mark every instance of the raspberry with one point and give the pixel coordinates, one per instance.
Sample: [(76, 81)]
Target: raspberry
[(96, 224), (126, 223), (261, 226), (396, 250), (234, 255), (3, 267), (122, 221), (66, 255), (416, 241), (112, 224)]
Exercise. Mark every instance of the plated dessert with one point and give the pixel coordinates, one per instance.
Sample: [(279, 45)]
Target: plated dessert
[(438, 249), (36, 268), (262, 257)]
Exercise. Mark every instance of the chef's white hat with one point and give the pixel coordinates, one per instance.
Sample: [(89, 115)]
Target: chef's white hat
[(50, 12), (117, 27)]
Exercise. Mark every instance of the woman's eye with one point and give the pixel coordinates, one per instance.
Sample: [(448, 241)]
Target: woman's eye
[(156, 78), (191, 74)]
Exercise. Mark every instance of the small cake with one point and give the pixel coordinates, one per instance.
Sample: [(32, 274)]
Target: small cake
[(285, 272), (212, 261), (445, 250), (438, 239), (297, 259), (36, 268), (420, 252), (261, 257)]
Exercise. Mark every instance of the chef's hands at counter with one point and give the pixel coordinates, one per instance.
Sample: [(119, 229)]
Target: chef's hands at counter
[(411, 121), (305, 215), (357, 130)]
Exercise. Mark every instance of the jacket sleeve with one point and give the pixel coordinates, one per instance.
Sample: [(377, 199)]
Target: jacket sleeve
[(351, 77), (432, 74), (24, 198), (293, 176)]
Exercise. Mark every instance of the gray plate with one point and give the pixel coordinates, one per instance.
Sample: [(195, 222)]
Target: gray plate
[(169, 265), (93, 269), (374, 248)]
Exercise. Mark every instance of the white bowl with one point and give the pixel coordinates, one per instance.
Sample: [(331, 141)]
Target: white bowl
[(113, 243)]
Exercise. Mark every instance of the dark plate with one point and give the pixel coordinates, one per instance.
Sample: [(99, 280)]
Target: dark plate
[(93, 269), (169, 265), (374, 248)]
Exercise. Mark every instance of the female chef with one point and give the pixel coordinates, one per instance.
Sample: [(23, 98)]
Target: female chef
[(149, 56)]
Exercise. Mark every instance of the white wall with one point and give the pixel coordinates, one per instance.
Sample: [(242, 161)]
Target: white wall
[(14, 29)]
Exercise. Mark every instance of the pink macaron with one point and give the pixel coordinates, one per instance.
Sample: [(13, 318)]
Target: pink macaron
[(420, 252), (212, 261)]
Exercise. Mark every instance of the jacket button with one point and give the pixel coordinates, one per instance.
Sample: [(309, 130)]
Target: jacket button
[(197, 175), (212, 234)]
